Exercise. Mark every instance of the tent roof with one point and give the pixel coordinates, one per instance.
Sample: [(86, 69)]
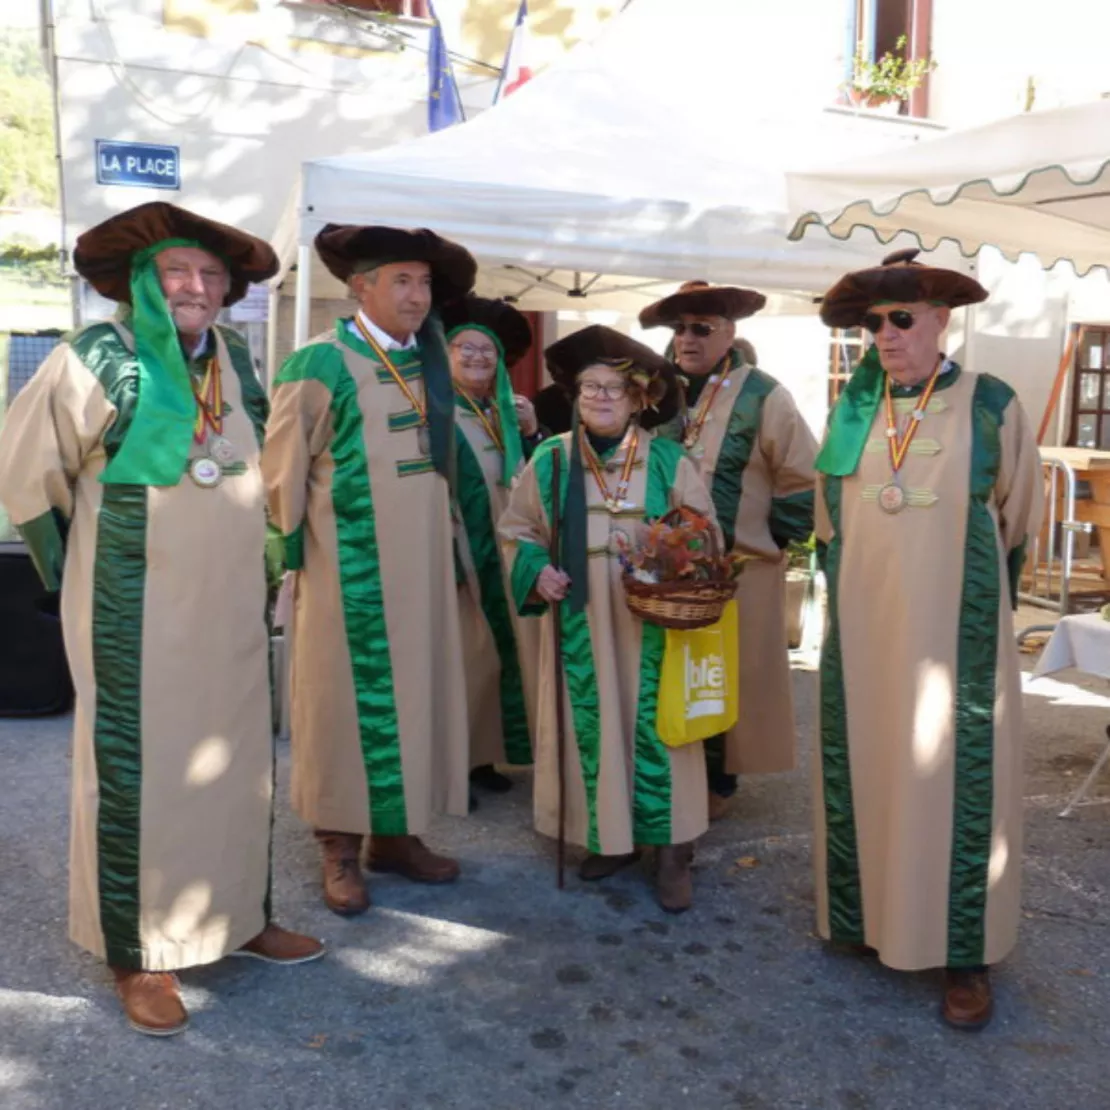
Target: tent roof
[(1038, 182), (634, 155)]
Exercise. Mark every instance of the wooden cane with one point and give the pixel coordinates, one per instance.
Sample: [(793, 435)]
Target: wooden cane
[(557, 637)]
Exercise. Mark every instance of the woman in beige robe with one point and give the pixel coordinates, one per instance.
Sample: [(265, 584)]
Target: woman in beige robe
[(625, 788), (495, 432)]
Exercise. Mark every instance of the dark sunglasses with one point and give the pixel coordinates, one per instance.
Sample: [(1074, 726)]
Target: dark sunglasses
[(901, 318), (698, 328)]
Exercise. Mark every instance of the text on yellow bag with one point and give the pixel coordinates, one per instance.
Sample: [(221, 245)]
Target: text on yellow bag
[(698, 694)]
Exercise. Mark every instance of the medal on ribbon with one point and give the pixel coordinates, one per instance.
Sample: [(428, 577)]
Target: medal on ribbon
[(614, 502), (423, 435), (892, 497)]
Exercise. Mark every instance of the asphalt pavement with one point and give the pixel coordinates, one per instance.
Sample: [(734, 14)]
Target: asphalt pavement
[(502, 993)]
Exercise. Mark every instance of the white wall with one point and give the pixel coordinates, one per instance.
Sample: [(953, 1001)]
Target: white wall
[(244, 107), (988, 49)]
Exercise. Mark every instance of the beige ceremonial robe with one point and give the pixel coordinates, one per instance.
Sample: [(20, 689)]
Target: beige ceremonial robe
[(500, 648), (379, 712), (163, 609), (755, 453), (918, 815), (624, 786)]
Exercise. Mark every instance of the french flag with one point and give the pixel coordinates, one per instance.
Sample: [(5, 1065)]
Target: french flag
[(516, 70)]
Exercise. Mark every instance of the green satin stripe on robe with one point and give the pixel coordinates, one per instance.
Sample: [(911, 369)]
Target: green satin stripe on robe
[(119, 577), (364, 612), (652, 799), (528, 561), (45, 540), (976, 673), (843, 890), (577, 660), (791, 518), (107, 358), (255, 402), (737, 447), (481, 533)]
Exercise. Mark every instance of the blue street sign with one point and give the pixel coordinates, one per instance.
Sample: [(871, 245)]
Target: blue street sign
[(155, 167)]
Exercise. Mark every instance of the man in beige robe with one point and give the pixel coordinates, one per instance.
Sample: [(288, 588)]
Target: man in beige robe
[(129, 463), (930, 486), (358, 465), (755, 452)]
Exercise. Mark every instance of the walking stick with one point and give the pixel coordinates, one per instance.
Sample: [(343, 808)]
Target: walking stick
[(557, 636)]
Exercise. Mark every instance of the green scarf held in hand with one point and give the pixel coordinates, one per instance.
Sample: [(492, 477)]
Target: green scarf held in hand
[(851, 419), (505, 404), (155, 448)]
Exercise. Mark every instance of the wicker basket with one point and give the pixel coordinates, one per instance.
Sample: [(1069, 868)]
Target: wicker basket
[(678, 604)]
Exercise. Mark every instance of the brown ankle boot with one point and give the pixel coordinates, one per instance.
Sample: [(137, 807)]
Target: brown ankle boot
[(345, 890), (674, 885), (152, 1002), (968, 1003), (409, 856)]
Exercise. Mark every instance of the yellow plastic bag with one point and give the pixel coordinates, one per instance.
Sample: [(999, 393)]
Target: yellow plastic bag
[(698, 686)]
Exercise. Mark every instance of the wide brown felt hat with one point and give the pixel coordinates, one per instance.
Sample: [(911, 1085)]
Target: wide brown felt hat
[(509, 324), (567, 358), (699, 298), (900, 279), (342, 246), (102, 256)]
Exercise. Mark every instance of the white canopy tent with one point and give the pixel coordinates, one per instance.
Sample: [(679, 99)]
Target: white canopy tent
[(1038, 183), (656, 152)]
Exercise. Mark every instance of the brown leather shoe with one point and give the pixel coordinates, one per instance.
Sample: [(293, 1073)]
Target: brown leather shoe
[(276, 945), (719, 806), (968, 1003), (345, 890), (674, 884), (594, 867), (152, 1001), (410, 856)]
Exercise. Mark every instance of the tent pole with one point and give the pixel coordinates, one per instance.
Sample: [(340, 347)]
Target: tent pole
[(304, 295), (272, 310)]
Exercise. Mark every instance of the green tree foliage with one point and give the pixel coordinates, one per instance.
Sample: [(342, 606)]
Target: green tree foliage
[(28, 175)]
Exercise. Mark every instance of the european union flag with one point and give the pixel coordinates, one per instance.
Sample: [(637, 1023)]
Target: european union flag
[(444, 105)]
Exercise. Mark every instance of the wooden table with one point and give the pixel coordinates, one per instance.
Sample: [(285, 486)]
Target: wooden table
[(1092, 467)]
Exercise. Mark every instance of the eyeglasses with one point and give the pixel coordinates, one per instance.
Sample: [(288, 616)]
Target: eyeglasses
[(901, 318), (699, 328), (468, 350), (614, 391)]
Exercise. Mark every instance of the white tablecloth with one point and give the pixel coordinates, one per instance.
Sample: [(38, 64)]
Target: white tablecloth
[(1082, 642)]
